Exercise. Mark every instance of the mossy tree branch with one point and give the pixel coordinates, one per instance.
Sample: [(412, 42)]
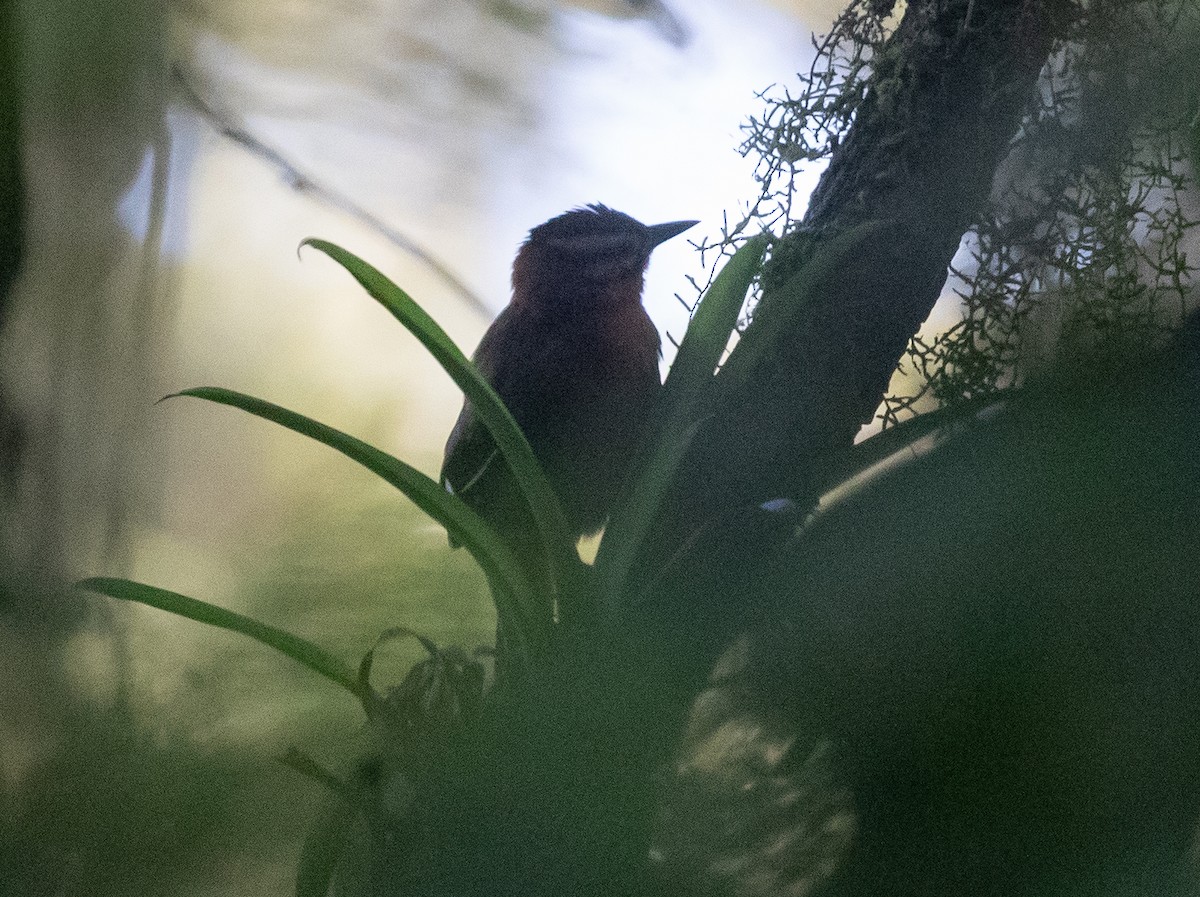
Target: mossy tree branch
[(944, 99)]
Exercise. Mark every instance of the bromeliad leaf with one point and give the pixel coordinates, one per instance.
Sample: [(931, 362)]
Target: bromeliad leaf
[(514, 596), (300, 650), (557, 545), (324, 845), (826, 264), (713, 323)]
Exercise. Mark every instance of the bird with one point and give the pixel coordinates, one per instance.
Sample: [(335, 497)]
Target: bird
[(574, 356)]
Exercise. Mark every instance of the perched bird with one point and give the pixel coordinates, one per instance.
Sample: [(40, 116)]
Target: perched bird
[(574, 356)]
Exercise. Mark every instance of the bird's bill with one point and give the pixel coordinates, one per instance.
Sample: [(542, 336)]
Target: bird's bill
[(660, 233)]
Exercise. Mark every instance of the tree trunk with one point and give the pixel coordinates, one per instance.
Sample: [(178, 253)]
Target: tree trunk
[(946, 97)]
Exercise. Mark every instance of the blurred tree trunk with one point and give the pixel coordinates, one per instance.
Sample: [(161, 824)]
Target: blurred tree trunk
[(12, 221), (88, 311), (12, 205)]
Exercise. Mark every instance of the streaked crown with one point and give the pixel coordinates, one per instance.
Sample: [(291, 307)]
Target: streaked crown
[(593, 243)]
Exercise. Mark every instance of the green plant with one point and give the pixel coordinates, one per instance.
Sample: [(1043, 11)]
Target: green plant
[(535, 597), (542, 597)]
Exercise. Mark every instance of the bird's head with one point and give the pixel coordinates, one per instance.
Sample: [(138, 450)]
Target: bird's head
[(586, 252)]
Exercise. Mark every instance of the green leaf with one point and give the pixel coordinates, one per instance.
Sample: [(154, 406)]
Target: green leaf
[(826, 264), (836, 470), (547, 512), (324, 845), (513, 594), (713, 323), (388, 635), (680, 414), (295, 759), (300, 650)]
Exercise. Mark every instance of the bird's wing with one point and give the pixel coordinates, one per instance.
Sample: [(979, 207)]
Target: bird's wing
[(470, 454), (470, 451)]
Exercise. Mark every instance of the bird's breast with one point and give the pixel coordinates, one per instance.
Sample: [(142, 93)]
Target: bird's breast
[(600, 374), (627, 342), (582, 382)]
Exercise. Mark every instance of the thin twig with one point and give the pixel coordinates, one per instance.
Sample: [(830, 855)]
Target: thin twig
[(303, 182)]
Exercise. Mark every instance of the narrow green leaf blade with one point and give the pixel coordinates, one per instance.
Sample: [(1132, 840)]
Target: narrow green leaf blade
[(300, 650), (714, 321), (461, 521), (491, 410), (835, 470), (295, 759), (323, 846), (826, 263)]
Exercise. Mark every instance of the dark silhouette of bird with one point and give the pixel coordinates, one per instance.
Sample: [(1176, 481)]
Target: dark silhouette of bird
[(574, 356)]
